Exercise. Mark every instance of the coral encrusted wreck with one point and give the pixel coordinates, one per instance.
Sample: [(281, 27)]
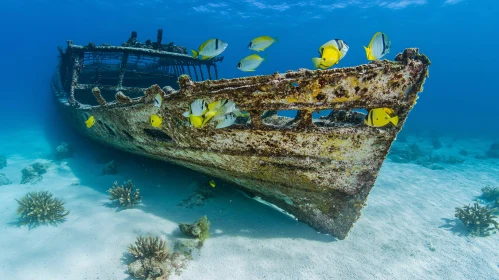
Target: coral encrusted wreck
[(40, 208)]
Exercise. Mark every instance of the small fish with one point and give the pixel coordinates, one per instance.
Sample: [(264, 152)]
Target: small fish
[(261, 43), (330, 56), (157, 100), (156, 120), (337, 43), (250, 63), (378, 47), (209, 49), (217, 108), (223, 121), (380, 117), (197, 109), (212, 183), (90, 122)]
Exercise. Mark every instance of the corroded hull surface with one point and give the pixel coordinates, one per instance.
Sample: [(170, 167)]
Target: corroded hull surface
[(320, 170)]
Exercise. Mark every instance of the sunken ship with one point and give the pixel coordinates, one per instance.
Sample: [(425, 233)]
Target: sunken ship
[(319, 169)]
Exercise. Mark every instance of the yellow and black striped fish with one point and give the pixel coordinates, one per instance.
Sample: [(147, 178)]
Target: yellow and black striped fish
[(380, 117)]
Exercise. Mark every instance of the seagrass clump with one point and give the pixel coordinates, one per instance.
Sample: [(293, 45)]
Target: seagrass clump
[(40, 208), (125, 194), (479, 220)]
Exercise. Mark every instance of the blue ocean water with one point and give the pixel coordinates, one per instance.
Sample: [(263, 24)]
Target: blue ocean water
[(459, 37), (407, 230)]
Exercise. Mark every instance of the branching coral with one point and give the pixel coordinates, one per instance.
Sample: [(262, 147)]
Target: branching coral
[(149, 247), (110, 168), (125, 194), (152, 256), (489, 193), (3, 162), (37, 208), (493, 151), (478, 219), (64, 150), (200, 229)]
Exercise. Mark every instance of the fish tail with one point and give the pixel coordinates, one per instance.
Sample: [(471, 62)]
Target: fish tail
[(317, 62), (395, 120), (276, 39), (195, 54)]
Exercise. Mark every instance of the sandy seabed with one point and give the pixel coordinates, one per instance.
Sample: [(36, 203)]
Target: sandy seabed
[(407, 229)]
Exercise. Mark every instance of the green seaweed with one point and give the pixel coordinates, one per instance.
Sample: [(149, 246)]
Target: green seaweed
[(38, 208), (479, 220), (125, 194), (200, 229)]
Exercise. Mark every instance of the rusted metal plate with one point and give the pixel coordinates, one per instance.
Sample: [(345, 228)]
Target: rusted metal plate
[(319, 170)]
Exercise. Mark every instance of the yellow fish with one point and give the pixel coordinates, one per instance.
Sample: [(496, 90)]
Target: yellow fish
[(209, 49), (261, 43), (156, 120), (380, 117), (378, 47), (197, 110), (330, 56), (90, 122), (212, 183)]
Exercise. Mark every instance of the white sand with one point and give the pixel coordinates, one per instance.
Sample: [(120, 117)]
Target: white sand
[(407, 230)]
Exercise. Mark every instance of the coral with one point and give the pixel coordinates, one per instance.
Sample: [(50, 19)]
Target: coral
[(3, 162), (98, 96), (478, 219), (37, 208), (125, 194), (199, 229), (489, 193), (33, 173), (110, 168), (4, 180), (463, 152), (435, 142), (149, 247), (185, 245), (197, 198), (122, 98), (411, 153), (152, 256), (64, 150), (493, 151)]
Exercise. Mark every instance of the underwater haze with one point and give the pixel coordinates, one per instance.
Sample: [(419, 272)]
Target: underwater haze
[(414, 224)]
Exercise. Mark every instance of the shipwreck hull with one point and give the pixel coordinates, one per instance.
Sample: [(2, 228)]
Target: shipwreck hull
[(319, 170)]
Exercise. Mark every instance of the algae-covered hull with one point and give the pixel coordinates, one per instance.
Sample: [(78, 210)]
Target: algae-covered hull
[(318, 169)]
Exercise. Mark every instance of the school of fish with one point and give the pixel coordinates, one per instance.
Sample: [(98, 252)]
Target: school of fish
[(223, 113)]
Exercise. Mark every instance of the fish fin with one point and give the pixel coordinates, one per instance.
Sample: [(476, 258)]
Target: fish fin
[(368, 53), (205, 57), (186, 114), (395, 120), (276, 39), (195, 54), (317, 62)]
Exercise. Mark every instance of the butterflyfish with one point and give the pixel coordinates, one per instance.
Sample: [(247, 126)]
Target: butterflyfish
[(380, 117), (209, 49), (378, 47), (157, 100), (90, 121), (222, 121), (155, 120), (196, 111), (261, 43), (212, 183), (250, 63), (330, 56), (337, 43)]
